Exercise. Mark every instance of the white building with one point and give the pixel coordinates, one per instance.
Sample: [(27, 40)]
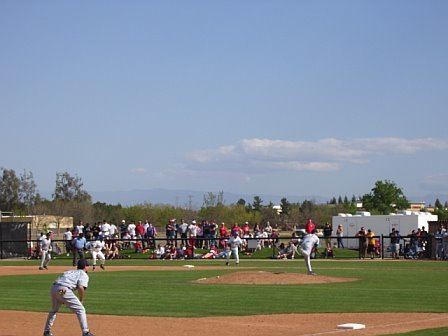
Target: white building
[(403, 221)]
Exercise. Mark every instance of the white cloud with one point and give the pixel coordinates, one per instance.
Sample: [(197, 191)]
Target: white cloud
[(329, 154), (138, 170)]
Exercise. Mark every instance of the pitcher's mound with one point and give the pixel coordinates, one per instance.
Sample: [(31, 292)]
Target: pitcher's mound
[(268, 278)]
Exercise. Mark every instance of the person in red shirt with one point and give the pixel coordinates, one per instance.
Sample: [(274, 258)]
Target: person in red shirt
[(140, 232), (309, 226), (246, 228), (236, 229), (223, 234)]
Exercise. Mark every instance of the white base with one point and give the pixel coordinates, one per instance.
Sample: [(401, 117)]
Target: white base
[(351, 326), (189, 266)]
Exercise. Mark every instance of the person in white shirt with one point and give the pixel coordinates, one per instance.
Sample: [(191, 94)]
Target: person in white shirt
[(62, 292), (79, 228), (233, 244), (68, 236), (96, 248), (113, 231), (131, 230), (183, 230), (309, 242), (105, 229), (159, 252), (45, 250), (193, 230)]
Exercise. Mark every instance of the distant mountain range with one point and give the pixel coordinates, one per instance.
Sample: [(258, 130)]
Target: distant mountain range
[(195, 199), (185, 198)]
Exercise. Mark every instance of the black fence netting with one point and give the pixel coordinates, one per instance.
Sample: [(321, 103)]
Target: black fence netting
[(12, 237)]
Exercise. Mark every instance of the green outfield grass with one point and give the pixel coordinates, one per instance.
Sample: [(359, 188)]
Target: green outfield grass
[(383, 286)]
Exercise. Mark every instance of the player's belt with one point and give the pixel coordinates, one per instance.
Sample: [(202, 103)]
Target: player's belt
[(58, 284)]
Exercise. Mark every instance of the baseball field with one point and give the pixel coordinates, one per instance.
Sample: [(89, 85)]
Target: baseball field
[(260, 297)]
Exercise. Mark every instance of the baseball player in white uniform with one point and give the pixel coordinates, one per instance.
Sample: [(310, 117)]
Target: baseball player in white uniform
[(45, 250), (96, 248), (309, 242), (62, 292), (233, 244)]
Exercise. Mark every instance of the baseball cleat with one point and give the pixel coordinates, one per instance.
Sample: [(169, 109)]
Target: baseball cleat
[(41, 268), (227, 263), (88, 333), (311, 273), (48, 333), (102, 267)]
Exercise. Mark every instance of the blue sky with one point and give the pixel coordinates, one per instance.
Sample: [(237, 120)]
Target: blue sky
[(278, 97)]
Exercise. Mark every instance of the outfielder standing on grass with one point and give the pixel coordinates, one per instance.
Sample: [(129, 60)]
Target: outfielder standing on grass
[(45, 250), (309, 242), (62, 292), (233, 244)]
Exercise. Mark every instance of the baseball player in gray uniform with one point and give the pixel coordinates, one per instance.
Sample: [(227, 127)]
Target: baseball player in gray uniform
[(309, 242), (62, 292), (45, 250)]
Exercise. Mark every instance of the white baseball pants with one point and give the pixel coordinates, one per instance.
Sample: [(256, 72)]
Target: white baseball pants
[(63, 295), (307, 257), (98, 255), (233, 251), (45, 258)]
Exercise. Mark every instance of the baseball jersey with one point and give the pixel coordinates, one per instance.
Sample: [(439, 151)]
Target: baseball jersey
[(45, 244), (73, 279), (309, 241), (235, 242), (97, 246)]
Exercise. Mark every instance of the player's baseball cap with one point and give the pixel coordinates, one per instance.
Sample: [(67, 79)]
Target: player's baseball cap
[(82, 263)]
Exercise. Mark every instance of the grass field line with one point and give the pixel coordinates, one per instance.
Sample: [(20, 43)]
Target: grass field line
[(382, 326)]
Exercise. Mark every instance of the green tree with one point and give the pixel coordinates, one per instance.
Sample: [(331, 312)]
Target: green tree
[(333, 201), (9, 190), (385, 198), (28, 190), (70, 188), (241, 202), (307, 208), (340, 200), (210, 200), (256, 204), (286, 206), (438, 204)]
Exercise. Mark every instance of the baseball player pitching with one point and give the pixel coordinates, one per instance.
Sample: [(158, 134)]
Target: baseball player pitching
[(309, 242), (62, 292), (45, 250), (233, 244), (96, 248)]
